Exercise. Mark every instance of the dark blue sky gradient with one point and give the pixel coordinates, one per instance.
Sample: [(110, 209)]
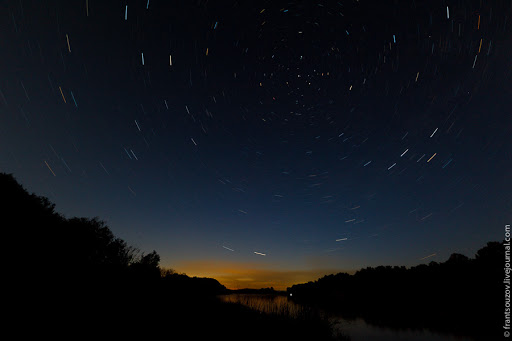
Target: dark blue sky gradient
[(276, 131)]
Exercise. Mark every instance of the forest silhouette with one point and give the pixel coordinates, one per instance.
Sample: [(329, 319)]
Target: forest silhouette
[(72, 275), (461, 295)]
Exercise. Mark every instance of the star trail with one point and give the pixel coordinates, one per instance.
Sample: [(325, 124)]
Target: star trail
[(269, 137)]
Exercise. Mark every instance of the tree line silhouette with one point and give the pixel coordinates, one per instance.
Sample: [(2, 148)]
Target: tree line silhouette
[(69, 277), (74, 273), (461, 295), (57, 248), (76, 270)]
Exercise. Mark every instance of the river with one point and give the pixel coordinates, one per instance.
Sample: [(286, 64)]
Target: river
[(357, 329)]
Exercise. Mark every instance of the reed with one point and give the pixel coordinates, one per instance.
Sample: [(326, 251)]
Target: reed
[(276, 305), (280, 308)]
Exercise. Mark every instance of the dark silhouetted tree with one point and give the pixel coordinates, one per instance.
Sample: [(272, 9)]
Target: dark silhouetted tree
[(437, 293)]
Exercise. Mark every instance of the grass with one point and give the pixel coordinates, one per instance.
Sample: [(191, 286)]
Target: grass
[(303, 322), (269, 304)]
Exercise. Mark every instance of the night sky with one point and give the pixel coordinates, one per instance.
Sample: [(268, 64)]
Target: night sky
[(265, 143)]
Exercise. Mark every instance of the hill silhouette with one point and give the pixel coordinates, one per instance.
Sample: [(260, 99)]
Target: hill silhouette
[(460, 295)]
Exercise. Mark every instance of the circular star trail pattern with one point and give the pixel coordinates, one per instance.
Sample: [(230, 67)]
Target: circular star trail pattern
[(290, 136)]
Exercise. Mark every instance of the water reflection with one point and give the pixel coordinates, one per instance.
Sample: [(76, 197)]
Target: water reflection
[(269, 304), (356, 329), (359, 330)]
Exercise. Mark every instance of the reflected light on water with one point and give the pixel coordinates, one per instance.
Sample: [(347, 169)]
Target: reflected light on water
[(358, 329), (269, 304)]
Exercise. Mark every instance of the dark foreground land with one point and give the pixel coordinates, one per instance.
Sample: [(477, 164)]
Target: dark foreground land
[(150, 310), (462, 296), (71, 277)]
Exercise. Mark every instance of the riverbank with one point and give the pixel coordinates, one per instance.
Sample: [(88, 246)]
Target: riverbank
[(160, 314), (346, 326)]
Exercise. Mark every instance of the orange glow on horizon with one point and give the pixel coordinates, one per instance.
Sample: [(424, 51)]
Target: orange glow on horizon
[(249, 276)]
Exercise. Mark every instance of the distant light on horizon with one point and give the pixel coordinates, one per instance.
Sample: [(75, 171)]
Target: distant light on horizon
[(271, 132)]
